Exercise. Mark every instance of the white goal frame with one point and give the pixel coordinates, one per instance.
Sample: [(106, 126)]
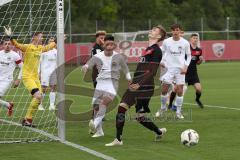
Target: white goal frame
[(60, 74)]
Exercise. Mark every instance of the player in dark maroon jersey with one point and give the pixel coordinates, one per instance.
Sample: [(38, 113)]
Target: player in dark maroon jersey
[(192, 74), (142, 87)]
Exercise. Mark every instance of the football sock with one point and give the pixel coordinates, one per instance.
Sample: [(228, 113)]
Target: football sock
[(172, 97), (100, 115), (32, 108), (43, 96), (178, 103), (198, 95), (52, 97), (147, 123), (4, 103), (164, 101), (120, 120), (99, 128)]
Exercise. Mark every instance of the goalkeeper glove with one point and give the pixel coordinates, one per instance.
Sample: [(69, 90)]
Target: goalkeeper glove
[(8, 31)]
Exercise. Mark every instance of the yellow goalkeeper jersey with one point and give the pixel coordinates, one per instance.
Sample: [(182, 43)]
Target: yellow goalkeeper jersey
[(31, 56)]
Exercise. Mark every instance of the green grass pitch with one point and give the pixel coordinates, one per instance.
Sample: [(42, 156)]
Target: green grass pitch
[(218, 127)]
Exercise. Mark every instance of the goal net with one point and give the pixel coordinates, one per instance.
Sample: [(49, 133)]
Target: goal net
[(26, 17)]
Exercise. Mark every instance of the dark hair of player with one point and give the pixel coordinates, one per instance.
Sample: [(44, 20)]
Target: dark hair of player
[(5, 39), (162, 32), (109, 38), (194, 35), (175, 26), (100, 33), (53, 38)]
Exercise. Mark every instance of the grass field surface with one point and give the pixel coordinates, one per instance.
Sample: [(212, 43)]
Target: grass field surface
[(217, 124)]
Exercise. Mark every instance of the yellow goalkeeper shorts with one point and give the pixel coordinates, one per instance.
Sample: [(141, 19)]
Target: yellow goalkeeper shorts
[(31, 84)]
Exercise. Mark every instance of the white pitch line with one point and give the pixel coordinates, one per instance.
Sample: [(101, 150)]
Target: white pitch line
[(212, 106), (82, 148), (209, 106)]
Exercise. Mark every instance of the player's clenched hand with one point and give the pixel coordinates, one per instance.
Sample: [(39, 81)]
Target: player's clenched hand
[(162, 64), (184, 70), (84, 68), (8, 31), (16, 83), (129, 82), (200, 60), (134, 86)]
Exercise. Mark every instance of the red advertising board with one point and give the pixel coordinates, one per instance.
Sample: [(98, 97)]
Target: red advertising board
[(221, 50), (212, 50)]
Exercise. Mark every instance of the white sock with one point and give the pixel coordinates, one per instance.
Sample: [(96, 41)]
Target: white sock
[(164, 101), (99, 128), (43, 96), (52, 97), (178, 103), (4, 103), (100, 115)]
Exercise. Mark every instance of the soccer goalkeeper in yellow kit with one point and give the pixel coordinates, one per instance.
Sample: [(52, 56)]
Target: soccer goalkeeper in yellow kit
[(31, 55)]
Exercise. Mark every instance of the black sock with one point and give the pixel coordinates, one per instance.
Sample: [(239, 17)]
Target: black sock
[(147, 123), (172, 97), (198, 95), (120, 120)]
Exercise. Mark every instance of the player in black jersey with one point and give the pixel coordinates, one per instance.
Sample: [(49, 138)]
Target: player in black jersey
[(142, 87), (192, 74), (98, 47)]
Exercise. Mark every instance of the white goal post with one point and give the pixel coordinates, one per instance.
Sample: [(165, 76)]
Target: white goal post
[(60, 74)]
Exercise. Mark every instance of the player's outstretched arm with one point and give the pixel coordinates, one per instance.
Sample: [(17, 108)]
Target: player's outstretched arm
[(22, 47), (48, 47), (90, 63), (125, 68), (8, 32)]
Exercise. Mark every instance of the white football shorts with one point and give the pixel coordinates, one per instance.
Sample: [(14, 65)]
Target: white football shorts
[(4, 86), (105, 88), (48, 78), (173, 75)]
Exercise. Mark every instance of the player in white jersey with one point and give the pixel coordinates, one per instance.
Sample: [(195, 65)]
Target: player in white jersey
[(109, 63), (176, 58), (8, 62), (48, 76)]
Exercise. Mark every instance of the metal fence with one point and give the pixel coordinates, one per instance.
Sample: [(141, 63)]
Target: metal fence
[(228, 30)]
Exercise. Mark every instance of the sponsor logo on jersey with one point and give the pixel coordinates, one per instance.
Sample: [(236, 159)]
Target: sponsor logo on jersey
[(4, 63), (218, 49), (194, 58), (142, 59), (179, 48)]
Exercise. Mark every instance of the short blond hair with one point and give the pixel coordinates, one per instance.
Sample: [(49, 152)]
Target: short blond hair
[(163, 32), (100, 33)]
